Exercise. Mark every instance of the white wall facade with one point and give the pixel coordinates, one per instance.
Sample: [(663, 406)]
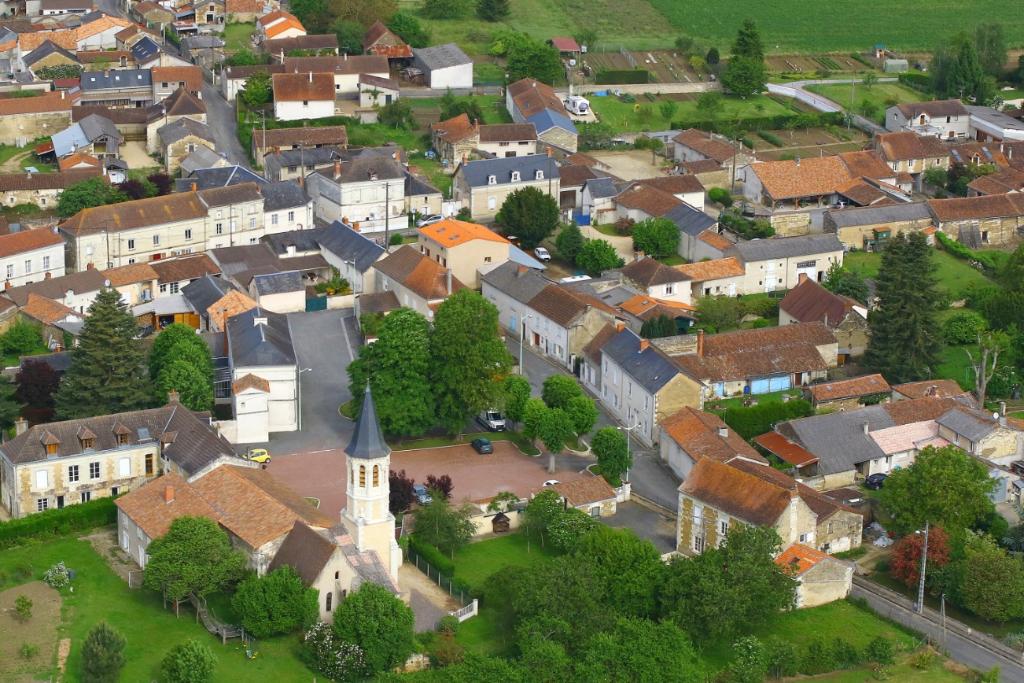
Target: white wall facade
[(309, 109)]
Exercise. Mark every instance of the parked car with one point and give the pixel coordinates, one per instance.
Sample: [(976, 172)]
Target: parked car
[(422, 495), (552, 482), (482, 446), (492, 420), (542, 254), (875, 481), (259, 455), (429, 220)]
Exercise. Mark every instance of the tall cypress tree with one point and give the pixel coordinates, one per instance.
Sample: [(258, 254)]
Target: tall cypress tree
[(107, 373), (745, 73), (904, 344)]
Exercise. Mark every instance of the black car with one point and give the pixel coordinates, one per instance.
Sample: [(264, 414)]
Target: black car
[(482, 446), (875, 481)]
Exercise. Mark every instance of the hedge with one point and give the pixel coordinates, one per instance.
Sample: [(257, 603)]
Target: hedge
[(773, 122), (622, 76), (432, 555), (917, 81), (760, 419), (988, 260), (57, 522)]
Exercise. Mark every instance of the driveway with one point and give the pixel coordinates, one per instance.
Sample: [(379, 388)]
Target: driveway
[(220, 116), (658, 528)]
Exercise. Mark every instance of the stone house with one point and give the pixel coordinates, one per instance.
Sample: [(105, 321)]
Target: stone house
[(352, 253), (23, 119), (482, 186), (998, 439), (908, 152), (847, 318), (697, 145), (381, 41), (41, 189), (76, 290), (848, 394), (530, 101), (929, 388), (179, 139), (49, 54), (130, 88), (820, 578), (367, 191), (870, 227), (980, 221), (944, 119), (136, 282), (690, 435), (282, 139), (715, 277), (592, 495), (464, 248), (776, 264), (419, 282), (718, 496), (698, 233)]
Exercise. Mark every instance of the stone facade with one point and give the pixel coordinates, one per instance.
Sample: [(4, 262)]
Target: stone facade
[(18, 129)]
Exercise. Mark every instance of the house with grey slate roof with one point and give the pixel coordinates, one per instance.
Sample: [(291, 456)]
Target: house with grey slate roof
[(483, 185), (869, 227), (283, 292), (597, 199), (117, 88), (352, 253), (777, 263), (444, 66), (264, 375), (286, 207), (692, 224)]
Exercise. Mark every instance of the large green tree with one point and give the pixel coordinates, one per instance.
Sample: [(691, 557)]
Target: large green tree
[(992, 583), (597, 256), (468, 358), (397, 367), (641, 650), (745, 73), (257, 91), (612, 452), (569, 242), (558, 389), (312, 13), (443, 525), (103, 654), (727, 590), (107, 372), (529, 214), (10, 407), (555, 429), (656, 237), (179, 342), (957, 71), (378, 622), (529, 58), (194, 389), (626, 566), (86, 194), (363, 12), (905, 336), (846, 282), (409, 29), (990, 42), (275, 603), (944, 486), (194, 557), (517, 393)]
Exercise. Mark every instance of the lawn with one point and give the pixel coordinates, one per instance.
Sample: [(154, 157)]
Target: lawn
[(737, 402), (236, 37), (955, 365), (789, 25), (880, 95), (954, 276), (492, 106), (150, 630), (645, 115)]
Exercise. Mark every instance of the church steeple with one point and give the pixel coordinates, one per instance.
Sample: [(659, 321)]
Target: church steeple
[(367, 442)]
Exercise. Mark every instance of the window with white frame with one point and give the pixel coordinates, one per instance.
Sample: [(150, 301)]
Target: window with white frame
[(28, 266), (174, 287), (515, 176), (492, 180), (698, 544), (131, 245), (492, 203), (42, 504), (156, 240), (94, 470), (273, 219), (539, 175), (252, 223), (219, 228), (10, 270), (163, 288), (723, 527), (42, 479), (86, 496), (291, 216), (73, 473), (46, 263), (124, 467)]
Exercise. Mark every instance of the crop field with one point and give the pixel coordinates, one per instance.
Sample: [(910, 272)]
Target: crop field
[(813, 62), (791, 25), (666, 66)]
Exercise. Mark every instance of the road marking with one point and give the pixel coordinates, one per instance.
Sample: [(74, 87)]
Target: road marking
[(344, 331)]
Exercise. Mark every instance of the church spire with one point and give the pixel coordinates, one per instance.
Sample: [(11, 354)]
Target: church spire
[(367, 441)]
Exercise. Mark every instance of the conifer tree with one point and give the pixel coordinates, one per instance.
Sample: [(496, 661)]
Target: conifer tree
[(107, 373)]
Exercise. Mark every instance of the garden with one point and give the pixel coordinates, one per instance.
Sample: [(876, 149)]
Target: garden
[(869, 99)]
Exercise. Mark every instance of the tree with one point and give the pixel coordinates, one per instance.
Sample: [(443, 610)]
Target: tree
[(748, 41), (845, 282), (86, 194), (103, 654), (656, 237), (582, 410), (179, 342), (402, 494), (246, 57), (107, 373), (595, 135), (452, 106), (597, 256), (190, 662), (712, 58), (23, 337), (668, 109), (533, 59), (441, 485), (350, 36), (493, 10), (313, 14), (750, 661), (745, 73), (469, 359), (398, 114), (990, 42), (612, 452), (517, 392), (558, 389), (194, 557), (446, 527), (258, 90), (658, 326), (727, 590), (446, 9), (530, 214), (990, 345), (363, 12), (719, 313), (992, 584), (195, 390), (136, 189), (870, 80), (569, 242), (904, 343), (162, 182), (379, 623), (569, 528), (10, 408), (944, 486), (533, 412), (642, 650), (409, 29), (555, 429), (905, 562), (710, 104), (275, 603), (542, 510), (37, 382), (627, 568), (397, 367), (957, 71)]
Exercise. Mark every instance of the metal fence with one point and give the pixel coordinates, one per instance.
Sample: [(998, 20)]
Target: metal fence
[(436, 576)]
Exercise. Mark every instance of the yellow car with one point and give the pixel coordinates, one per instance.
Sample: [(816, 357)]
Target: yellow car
[(259, 455)]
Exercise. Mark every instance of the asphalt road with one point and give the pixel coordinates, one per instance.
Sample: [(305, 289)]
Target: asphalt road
[(220, 116)]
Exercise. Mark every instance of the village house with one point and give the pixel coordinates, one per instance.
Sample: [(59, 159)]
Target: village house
[(777, 263), (820, 578), (135, 283), (23, 119), (318, 45), (283, 139), (464, 248), (690, 435), (49, 55), (351, 252), (944, 119), (375, 92), (847, 318), (177, 140), (366, 191), (756, 361), (234, 78), (908, 152), (76, 290), (997, 439), (716, 277), (718, 496), (928, 388), (118, 88), (988, 124), (206, 295), (167, 79), (656, 280), (300, 96), (296, 164), (458, 138), (597, 199), (482, 186), (30, 255), (346, 70), (591, 495), (262, 358), (52, 465), (79, 161), (444, 67), (381, 41), (1001, 182), (279, 24), (870, 227), (94, 134), (530, 101), (41, 189), (698, 145), (980, 221), (98, 34), (848, 394), (419, 282)]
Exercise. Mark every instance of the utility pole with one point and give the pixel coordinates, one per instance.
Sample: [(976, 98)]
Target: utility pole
[(924, 567), (387, 215)]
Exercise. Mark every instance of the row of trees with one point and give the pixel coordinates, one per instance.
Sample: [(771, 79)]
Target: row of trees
[(98, 192), (968, 66)]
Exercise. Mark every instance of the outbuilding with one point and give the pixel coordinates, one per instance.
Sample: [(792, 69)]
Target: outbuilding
[(444, 66)]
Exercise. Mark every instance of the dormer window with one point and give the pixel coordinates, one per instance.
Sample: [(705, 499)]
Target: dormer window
[(88, 444), (539, 175), (51, 449), (515, 176), (122, 439), (492, 180)]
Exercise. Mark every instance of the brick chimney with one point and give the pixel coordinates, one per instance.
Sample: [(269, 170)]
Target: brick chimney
[(700, 343), (48, 275), (20, 426), (337, 170), (194, 187), (619, 326), (644, 343), (173, 397), (168, 495), (90, 266)]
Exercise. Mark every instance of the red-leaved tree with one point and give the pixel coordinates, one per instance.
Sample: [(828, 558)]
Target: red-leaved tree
[(442, 485), (905, 564), (401, 491)]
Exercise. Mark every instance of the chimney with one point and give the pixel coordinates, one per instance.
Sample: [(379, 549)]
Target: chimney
[(723, 432), (302, 181), (90, 265), (797, 161), (20, 426), (865, 427), (932, 391), (62, 94), (619, 326), (194, 187), (520, 270), (168, 495), (48, 275), (700, 343), (7, 285), (337, 170), (644, 343), (801, 278), (173, 398)]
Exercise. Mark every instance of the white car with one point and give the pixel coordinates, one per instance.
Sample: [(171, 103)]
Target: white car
[(429, 220), (542, 254), (552, 482)]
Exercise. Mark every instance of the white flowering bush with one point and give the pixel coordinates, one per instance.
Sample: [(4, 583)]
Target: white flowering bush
[(57, 576), (336, 659)]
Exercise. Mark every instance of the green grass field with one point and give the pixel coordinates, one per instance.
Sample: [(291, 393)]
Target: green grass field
[(236, 37), (881, 95), (645, 115), (150, 630), (840, 25), (954, 276), (955, 365), (491, 106), (477, 561)]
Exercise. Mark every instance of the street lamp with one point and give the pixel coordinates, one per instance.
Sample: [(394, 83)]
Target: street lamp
[(924, 567), (522, 336), (298, 393), (628, 431)]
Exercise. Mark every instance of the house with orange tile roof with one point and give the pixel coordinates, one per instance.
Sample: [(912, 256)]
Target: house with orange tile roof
[(303, 96), (848, 393), (379, 40), (980, 221), (820, 578), (419, 282), (697, 145), (716, 277), (465, 248), (592, 495), (718, 496), (846, 317), (27, 118), (135, 282), (690, 435)]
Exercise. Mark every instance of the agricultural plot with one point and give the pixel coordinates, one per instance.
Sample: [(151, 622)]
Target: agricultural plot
[(666, 66), (879, 97), (838, 25), (811, 63)]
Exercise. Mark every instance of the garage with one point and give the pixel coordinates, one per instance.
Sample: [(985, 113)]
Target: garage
[(779, 383), (760, 386)]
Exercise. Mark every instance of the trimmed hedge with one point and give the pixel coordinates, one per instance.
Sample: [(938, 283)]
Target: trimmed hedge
[(917, 81), (432, 555), (81, 517), (622, 76), (760, 419), (988, 260)]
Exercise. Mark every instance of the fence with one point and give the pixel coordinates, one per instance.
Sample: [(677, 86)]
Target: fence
[(446, 582), (466, 612)]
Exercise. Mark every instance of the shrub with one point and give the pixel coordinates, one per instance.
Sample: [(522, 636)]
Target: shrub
[(431, 555), (750, 661), (917, 81), (275, 603), (782, 658), (103, 654), (28, 651), (760, 306), (963, 327), (622, 76), (190, 662), (379, 623), (770, 138), (922, 659), (57, 576), (880, 651), (396, 240), (818, 658), (844, 654), (83, 516), (23, 608), (720, 195), (324, 652), (448, 624), (756, 420)]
